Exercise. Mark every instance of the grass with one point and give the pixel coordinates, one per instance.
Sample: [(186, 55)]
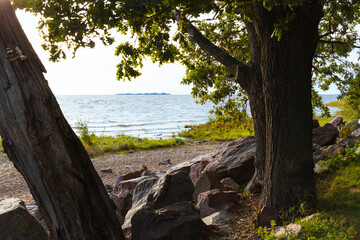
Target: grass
[(342, 113), (338, 104), (339, 207), (101, 145), (339, 201), (219, 130)]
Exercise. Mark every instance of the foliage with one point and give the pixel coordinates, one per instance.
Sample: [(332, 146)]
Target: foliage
[(325, 226), (73, 24), (100, 145), (267, 234), (346, 131), (352, 100), (339, 161), (219, 129), (339, 194)]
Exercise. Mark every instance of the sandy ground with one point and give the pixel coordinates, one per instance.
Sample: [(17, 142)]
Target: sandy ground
[(12, 183)]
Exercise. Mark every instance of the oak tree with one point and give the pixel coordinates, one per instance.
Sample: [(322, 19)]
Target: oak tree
[(273, 51)]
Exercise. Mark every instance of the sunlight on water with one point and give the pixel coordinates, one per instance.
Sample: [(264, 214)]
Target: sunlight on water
[(150, 116)]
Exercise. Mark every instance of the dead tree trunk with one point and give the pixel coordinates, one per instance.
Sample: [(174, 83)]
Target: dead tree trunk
[(43, 147)]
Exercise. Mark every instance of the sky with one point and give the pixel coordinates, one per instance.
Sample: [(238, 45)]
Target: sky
[(93, 71)]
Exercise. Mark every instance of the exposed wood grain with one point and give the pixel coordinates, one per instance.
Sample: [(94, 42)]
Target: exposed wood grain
[(43, 147)]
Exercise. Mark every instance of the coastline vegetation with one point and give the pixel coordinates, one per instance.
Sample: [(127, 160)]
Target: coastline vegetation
[(219, 129), (101, 145)]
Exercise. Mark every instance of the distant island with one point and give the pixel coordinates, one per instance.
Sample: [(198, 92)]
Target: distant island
[(143, 93)]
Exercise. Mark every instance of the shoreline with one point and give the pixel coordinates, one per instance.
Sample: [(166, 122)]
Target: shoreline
[(12, 183)]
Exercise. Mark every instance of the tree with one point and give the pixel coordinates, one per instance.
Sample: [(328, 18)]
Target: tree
[(263, 48), (44, 148)]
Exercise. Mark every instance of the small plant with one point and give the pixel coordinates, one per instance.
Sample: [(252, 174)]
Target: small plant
[(346, 131), (84, 132), (266, 233)]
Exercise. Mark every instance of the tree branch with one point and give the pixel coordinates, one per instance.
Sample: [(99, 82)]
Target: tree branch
[(206, 45), (337, 42)]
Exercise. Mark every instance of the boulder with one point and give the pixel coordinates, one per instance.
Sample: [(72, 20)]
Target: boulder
[(355, 133), (291, 230), (315, 123), (185, 166), (230, 185), (325, 135), (217, 218), (236, 161), (123, 202), (130, 184), (335, 149), (18, 223), (180, 221), (266, 215), (196, 170), (205, 183), (159, 193), (215, 200), (337, 122), (131, 175)]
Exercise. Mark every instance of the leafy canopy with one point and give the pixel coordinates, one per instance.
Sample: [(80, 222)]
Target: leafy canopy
[(156, 35)]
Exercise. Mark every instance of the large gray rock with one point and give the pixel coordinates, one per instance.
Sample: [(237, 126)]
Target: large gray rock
[(180, 221), (17, 223), (215, 200), (185, 166), (236, 161), (206, 183), (337, 122), (130, 184), (325, 135), (123, 202), (335, 149), (159, 193)]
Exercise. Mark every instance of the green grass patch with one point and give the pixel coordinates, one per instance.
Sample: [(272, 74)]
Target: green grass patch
[(101, 145), (219, 130), (339, 201), (338, 104)]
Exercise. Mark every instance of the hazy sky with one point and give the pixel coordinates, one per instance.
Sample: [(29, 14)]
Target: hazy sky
[(93, 71)]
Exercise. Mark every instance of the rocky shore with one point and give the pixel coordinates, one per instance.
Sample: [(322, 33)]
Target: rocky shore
[(193, 191)]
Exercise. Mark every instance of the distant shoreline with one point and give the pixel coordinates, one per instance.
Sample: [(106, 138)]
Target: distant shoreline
[(143, 94)]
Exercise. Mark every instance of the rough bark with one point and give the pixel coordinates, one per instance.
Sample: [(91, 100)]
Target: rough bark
[(286, 74), (43, 147), (278, 84)]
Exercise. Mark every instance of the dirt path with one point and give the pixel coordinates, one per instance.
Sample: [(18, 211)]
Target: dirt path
[(12, 183)]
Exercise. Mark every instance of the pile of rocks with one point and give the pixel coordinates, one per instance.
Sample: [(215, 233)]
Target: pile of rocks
[(184, 201), (187, 198), (327, 143)]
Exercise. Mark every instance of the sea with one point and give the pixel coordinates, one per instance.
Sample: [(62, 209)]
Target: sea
[(144, 116)]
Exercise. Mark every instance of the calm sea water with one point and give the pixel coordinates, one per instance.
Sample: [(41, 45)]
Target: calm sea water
[(153, 116)]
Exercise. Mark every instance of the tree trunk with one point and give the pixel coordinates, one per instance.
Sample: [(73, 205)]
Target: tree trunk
[(254, 90), (286, 75), (43, 147)]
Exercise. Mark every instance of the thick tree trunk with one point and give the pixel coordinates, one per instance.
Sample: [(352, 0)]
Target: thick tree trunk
[(43, 147), (286, 74), (254, 89)]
